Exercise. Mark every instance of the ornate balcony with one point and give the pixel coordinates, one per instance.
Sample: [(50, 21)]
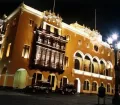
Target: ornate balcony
[(46, 51)]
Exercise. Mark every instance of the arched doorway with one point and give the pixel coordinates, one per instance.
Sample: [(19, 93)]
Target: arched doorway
[(77, 84), (64, 81), (37, 77), (20, 78), (53, 81)]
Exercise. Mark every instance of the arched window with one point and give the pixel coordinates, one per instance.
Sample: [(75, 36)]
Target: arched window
[(108, 88), (78, 55), (92, 68), (77, 64), (107, 72), (102, 64), (95, 65), (86, 85), (87, 63), (94, 86)]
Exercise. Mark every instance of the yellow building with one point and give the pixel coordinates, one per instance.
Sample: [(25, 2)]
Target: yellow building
[(39, 46)]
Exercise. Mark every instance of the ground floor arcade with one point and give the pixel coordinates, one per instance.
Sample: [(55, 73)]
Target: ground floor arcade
[(83, 84)]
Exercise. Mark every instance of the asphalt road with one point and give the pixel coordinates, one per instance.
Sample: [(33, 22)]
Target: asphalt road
[(14, 98)]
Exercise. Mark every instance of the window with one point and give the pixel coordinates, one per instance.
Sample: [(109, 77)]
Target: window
[(102, 52), (108, 88), (1, 51), (77, 64), (25, 52), (67, 37), (8, 50), (108, 53), (94, 86), (56, 31), (95, 47), (88, 46), (108, 72), (48, 28), (91, 67), (79, 42), (66, 62), (31, 22), (84, 67), (86, 85)]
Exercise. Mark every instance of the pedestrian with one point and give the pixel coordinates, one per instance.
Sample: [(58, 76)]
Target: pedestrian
[(101, 94)]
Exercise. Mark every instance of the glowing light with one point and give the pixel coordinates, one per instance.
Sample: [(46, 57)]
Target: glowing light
[(110, 40), (118, 45), (114, 36)]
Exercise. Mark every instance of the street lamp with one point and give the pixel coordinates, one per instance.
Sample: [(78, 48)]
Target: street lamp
[(116, 46)]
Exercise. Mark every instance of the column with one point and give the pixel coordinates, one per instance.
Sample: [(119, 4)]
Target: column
[(43, 56), (61, 60), (38, 54), (57, 59), (52, 58), (47, 60)]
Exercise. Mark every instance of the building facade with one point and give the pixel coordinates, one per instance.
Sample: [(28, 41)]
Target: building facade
[(38, 46)]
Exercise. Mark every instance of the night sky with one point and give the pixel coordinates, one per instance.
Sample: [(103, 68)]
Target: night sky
[(82, 11)]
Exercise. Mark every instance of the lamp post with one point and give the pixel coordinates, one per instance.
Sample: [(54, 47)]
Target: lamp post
[(116, 46)]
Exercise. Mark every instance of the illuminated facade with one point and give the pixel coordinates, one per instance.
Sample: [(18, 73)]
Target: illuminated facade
[(38, 46)]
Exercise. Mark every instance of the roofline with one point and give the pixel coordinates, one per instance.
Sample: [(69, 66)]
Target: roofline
[(24, 8), (41, 14)]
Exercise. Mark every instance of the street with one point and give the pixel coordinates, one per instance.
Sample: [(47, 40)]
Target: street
[(14, 98)]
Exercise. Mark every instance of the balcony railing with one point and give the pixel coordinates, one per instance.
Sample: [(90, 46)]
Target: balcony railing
[(59, 38), (47, 45), (92, 74)]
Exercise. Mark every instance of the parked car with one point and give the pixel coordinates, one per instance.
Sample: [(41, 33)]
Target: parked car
[(41, 86), (68, 88)]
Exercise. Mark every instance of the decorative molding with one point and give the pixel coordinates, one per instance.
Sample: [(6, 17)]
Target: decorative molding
[(51, 17)]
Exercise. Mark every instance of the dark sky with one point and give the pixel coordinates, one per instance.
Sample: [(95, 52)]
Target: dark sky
[(83, 11)]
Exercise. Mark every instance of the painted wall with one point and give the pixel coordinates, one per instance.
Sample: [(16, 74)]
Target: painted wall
[(23, 34)]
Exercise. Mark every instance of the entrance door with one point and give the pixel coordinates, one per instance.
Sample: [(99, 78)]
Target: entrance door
[(64, 81), (53, 81), (77, 84)]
